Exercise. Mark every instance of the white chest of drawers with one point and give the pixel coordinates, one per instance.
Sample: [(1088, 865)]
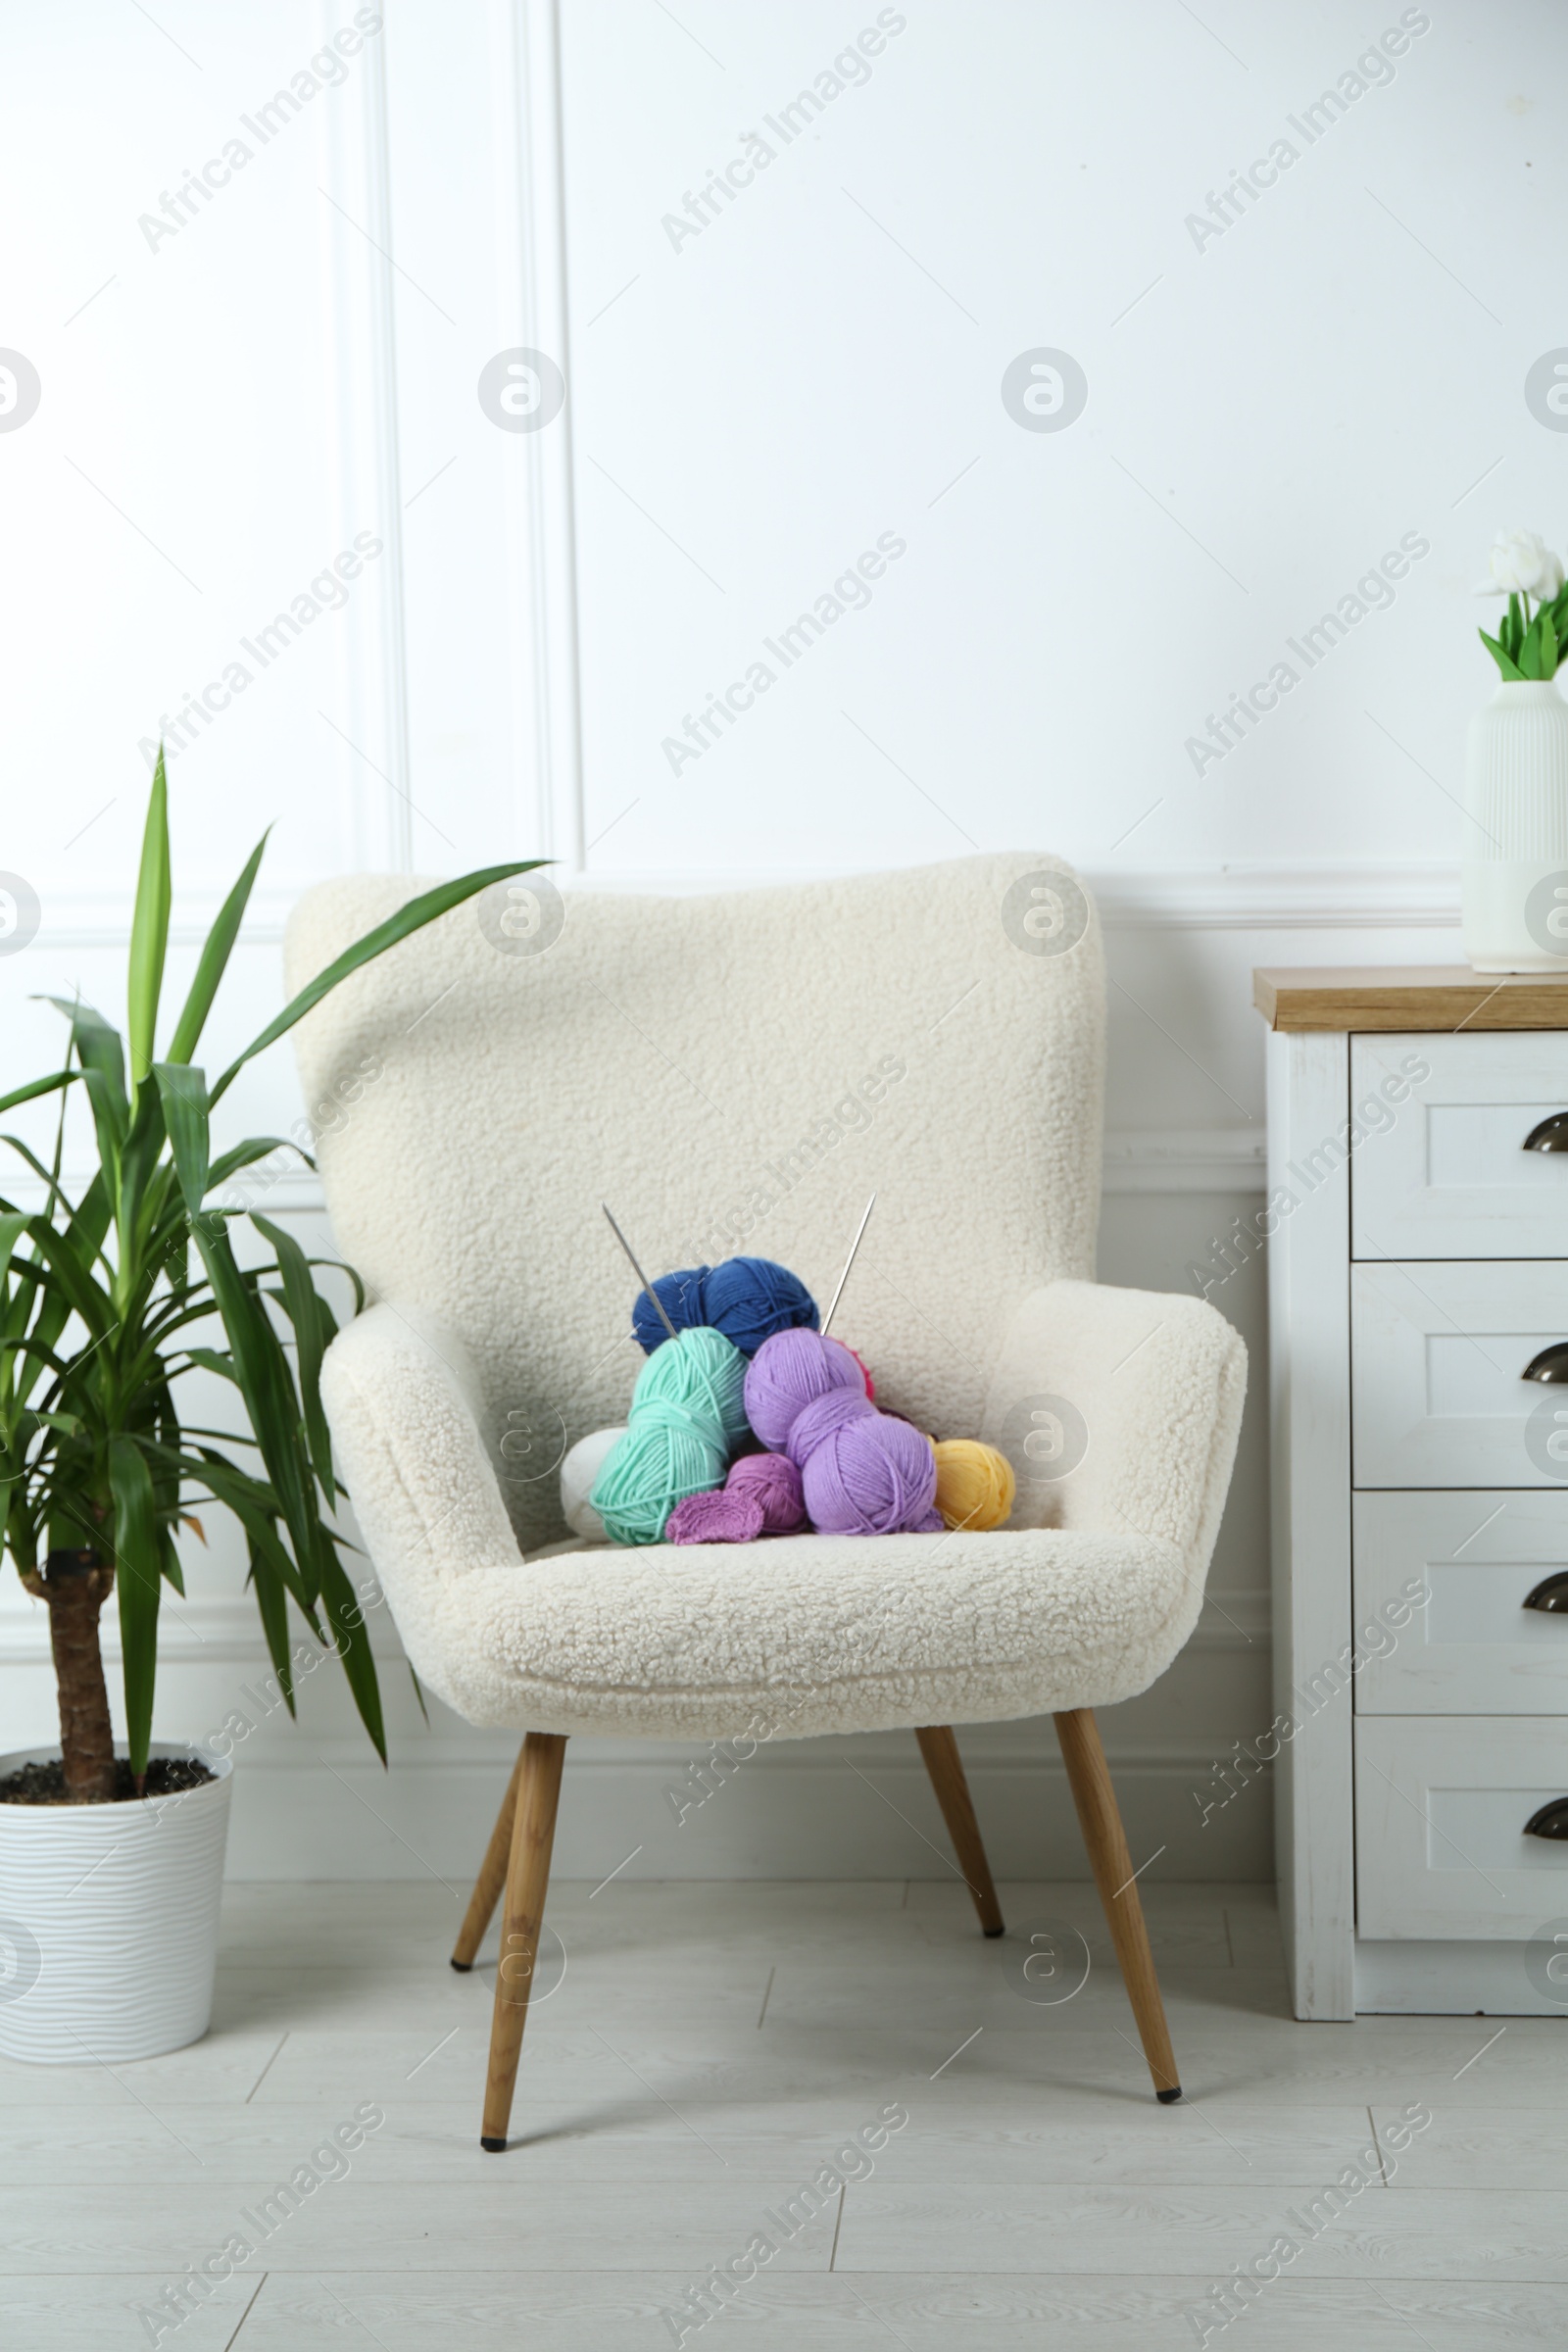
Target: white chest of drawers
[(1418, 1270)]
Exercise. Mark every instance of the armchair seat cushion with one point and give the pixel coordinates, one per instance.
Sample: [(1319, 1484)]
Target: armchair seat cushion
[(804, 1634)]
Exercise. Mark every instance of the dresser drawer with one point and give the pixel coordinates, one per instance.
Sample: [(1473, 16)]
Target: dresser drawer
[(1437, 1354), (1441, 1845), (1441, 1170), (1468, 1645)]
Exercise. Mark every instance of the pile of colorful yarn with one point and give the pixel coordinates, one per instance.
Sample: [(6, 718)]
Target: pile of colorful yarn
[(749, 1422)]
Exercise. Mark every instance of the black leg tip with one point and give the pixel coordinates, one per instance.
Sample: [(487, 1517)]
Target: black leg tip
[(996, 1930), (1166, 2098), (464, 1967), (498, 2148)]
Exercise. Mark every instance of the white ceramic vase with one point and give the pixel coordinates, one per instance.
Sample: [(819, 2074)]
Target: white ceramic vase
[(1514, 876), (109, 1920)]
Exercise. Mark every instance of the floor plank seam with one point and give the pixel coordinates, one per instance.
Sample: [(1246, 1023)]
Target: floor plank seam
[(838, 2225), (246, 2313), (265, 2071)]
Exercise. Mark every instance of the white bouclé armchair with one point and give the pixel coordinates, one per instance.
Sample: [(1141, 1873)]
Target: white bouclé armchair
[(739, 1072)]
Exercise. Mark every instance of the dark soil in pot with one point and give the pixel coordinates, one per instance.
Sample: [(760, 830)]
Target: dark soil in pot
[(45, 1784)]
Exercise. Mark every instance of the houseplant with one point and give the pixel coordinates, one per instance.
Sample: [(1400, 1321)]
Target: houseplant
[(1514, 874), (106, 1302)]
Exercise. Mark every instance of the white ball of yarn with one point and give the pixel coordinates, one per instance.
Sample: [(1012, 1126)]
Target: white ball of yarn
[(579, 1473)]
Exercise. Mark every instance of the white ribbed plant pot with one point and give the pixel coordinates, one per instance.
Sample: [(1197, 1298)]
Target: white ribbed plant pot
[(109, 1920), (1514, 877)]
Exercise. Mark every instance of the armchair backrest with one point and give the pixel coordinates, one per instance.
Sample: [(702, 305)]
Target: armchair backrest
[(734, 1072)]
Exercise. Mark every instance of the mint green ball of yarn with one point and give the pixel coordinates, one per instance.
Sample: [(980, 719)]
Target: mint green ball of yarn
[(688, 1410)]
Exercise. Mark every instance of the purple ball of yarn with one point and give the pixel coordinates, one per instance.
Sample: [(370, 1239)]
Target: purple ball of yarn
[(869, 1474), (789, 1372), (773, 1480), (822, 1418), (720, 1517)]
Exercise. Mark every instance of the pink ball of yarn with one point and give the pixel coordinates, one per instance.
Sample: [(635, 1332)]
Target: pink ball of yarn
[(863, 1473), (775, 1483), (865, 1370), (787, 1372), (720, 1517)]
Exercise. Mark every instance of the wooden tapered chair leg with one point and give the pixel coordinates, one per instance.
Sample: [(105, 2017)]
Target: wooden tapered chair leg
[(1099, 1819), (943, 1762), (492, 1878), (533, 1834)]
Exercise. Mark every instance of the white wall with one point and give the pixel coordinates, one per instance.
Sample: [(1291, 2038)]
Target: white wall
[(1269, 411)]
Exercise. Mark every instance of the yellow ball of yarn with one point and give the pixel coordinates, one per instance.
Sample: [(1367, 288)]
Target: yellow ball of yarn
[(975, 1483)]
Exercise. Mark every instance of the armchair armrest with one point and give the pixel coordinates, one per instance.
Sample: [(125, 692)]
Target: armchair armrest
[(1120, 1412), (401, 1396)]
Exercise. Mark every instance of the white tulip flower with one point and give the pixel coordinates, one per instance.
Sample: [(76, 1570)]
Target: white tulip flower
[(1521, 563)]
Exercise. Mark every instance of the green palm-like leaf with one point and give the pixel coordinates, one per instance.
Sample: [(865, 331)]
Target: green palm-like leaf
[(272, 1602), (400, 926), (138, 1579), (14, 1224), (103, 1072), (107, 1301), (260, 1365), (246, 1154), (215, 960), (301, 1304), (62, 1269), (98, 1049), (182, 1091), (265, 1382), (340, 1605), (38, 1086), (149, 929)]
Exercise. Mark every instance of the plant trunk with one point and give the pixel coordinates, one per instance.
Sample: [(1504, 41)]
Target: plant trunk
[(75, 1585)]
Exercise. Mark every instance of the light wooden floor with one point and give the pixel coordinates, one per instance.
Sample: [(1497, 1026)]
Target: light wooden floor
[(709, 2047)]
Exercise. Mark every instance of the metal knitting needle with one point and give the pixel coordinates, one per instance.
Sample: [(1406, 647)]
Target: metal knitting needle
[(658, 1303), (845, 1276)]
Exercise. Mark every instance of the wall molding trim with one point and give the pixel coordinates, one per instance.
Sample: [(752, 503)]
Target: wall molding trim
[(1277, 898), (1280, 896), (1219, 1159), (369, 736), (859, 1809), (538, 475)]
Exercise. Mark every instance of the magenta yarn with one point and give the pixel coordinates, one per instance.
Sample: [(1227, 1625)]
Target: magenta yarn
[(773, 1480), (720, 1517), (787, 1372), (869, 1474)]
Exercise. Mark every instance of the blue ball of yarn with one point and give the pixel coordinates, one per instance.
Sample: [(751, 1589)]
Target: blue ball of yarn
[(682, 1298), (747, 1298)]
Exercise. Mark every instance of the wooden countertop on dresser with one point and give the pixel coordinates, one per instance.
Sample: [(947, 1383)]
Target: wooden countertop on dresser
[(1339, 996)]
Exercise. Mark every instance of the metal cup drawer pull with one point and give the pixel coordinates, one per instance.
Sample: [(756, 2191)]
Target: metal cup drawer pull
[(1550, 1822), (1550, 1595), (1550, 1365), (1551, 1136)]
